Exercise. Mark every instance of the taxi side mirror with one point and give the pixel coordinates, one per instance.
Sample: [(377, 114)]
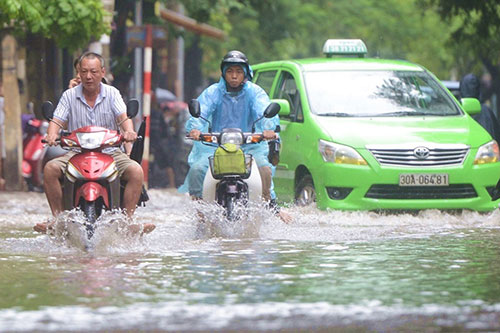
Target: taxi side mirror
[(471, 105), (284, 107)]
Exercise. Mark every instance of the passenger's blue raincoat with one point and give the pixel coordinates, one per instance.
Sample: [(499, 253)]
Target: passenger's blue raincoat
[(227, 110)]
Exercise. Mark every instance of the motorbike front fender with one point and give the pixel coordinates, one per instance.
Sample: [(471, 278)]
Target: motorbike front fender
[(91, 191), (254, 183)]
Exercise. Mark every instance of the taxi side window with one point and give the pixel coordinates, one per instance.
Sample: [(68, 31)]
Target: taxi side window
[(265, 80), (288, 90)]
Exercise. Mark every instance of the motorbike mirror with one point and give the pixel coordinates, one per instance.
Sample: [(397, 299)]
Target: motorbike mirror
[(195, 111), (272, 110), (132, 108), (194, 108), (48, 110)]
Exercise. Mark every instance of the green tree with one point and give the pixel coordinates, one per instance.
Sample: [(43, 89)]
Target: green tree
[(70, 23), (474, 38), (278, 29)]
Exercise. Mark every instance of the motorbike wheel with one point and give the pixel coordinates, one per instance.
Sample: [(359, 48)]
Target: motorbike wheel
[(229, 205), (89, 209)]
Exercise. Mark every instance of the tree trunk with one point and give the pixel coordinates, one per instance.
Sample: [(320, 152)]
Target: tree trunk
[(12, 108), (35, 72)]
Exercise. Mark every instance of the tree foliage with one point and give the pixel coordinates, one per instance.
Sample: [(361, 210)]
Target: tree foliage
[(280, 29), (70, 23), (474, 39)]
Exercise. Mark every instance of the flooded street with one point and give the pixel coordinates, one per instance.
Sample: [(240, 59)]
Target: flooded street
[(358, 271)]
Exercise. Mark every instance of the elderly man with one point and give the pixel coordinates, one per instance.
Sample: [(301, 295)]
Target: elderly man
[(97, 104)]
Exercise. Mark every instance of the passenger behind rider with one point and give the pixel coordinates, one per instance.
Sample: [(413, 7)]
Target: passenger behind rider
[(234, 102), (97, 104)]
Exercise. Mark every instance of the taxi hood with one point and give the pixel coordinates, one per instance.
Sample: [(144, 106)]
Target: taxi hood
[(358, 132)]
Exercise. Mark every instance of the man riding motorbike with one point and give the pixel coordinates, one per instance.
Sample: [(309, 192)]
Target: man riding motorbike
[(98, 104), (234, 102)]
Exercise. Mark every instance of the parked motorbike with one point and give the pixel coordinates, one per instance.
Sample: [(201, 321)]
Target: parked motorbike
[(234, 177), (91, 181), (35, 152)]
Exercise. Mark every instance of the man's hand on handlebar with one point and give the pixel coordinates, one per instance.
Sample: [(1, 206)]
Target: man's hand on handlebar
[(195, 134), (269, 134), (51, 139), (129, 136)]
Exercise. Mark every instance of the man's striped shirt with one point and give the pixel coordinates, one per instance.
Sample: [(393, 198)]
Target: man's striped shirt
[(74, 110)]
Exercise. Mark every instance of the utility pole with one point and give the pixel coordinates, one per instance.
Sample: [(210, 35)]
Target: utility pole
[(137, 89), (12, 108)]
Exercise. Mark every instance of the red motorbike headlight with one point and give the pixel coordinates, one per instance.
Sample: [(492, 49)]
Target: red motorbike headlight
[(90, 140)]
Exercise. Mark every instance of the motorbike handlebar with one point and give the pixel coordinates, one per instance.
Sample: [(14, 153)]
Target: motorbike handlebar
[(209, 137)]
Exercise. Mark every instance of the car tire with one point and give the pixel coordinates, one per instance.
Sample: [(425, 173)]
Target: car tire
[(305, 193)]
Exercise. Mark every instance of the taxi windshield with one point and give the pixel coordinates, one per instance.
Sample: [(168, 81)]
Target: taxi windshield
[(377, 94)]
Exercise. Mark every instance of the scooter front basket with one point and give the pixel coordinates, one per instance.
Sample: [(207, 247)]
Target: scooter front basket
[(230, 165)]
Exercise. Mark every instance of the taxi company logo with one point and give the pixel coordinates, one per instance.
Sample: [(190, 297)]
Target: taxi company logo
[(421, 153)]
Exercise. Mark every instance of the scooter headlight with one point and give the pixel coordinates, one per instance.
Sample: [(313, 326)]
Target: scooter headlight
[(90, 140), (488, 153), (340, 154), (232, 137)]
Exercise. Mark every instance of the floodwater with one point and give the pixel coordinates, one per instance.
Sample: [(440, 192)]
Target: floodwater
[(327, 271)]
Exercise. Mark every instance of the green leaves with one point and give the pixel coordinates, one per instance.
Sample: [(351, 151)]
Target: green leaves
[(70, 23), (280, 29)]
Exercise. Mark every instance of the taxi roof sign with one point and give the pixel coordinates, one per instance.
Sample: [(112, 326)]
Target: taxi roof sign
[(344, 47)]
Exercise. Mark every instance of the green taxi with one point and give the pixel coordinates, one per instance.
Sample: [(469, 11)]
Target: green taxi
[(373, 134)]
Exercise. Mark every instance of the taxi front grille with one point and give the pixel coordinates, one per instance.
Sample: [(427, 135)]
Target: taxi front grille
[(455, 191), (438, 155)]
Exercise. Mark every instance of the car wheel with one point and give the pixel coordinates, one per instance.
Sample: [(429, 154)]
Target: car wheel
[(305, 193)]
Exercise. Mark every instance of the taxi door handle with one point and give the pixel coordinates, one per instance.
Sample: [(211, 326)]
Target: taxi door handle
[(297, 137)]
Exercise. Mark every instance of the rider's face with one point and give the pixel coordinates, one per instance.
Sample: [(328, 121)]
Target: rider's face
[(234, 76), (91, 73)]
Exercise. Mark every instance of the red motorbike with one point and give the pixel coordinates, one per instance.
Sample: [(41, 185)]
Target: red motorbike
[(33, 151), (91, 181)]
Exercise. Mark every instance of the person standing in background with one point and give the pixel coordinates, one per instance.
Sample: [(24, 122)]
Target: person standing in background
[(470, 86)]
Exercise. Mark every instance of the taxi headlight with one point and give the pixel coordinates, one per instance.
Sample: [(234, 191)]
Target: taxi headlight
[(90, 140), (340, 154), (232, 137), (488, 153)]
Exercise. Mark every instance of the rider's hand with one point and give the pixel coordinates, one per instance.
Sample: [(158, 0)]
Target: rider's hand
[(129, 136), (269, 134), (195, 134), (51, 139), (74, 82)]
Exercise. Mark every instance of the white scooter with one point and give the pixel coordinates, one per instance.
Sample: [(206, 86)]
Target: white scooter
[(234, 177)]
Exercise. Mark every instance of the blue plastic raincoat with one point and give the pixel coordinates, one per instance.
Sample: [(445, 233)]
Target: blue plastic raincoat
[(227, 110)]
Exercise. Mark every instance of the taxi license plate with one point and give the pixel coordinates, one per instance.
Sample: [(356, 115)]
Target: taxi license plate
[(424, 179)]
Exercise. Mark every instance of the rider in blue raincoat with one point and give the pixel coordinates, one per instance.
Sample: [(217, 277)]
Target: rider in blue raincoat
[(233, 102)]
